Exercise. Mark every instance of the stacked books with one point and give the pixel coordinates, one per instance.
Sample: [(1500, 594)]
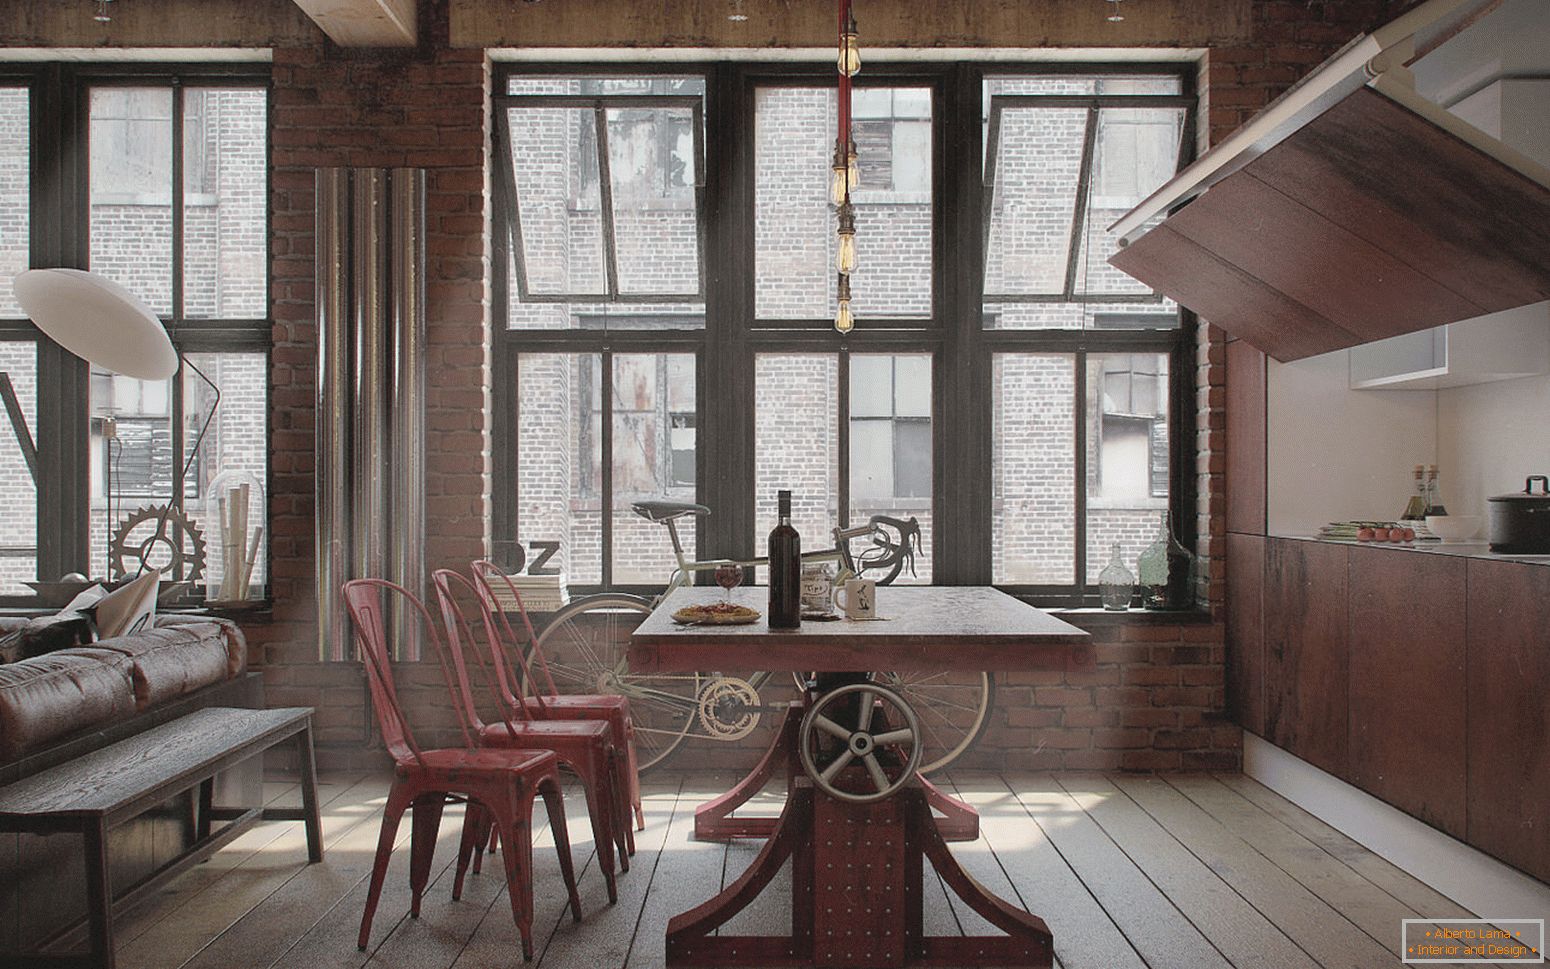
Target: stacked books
[(540, 593)]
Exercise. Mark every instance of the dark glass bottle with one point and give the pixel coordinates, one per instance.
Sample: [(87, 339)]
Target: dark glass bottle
[(785, 570)]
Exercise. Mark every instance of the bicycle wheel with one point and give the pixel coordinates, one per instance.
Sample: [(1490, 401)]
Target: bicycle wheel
[(586, 645), (953, 709)]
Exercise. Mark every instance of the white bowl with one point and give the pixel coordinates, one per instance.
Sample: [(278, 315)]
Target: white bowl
[(1453, 528)]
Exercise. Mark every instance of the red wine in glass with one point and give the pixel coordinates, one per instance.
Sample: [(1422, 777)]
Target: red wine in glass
[(729, 577)]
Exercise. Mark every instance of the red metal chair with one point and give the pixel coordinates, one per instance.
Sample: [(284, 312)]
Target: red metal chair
[(542, 698), (500, 784), (584, 746)]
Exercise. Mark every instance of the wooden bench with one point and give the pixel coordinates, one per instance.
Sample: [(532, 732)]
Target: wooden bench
[(94, 792)]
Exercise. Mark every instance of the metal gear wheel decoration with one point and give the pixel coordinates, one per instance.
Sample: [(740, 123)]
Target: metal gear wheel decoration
[(176, 545), (729, 708)]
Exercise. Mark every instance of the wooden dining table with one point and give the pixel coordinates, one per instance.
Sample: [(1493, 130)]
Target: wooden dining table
[(857, 859)]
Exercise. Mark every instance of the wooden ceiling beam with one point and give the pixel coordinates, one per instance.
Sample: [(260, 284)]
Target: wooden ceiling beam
[(365, 23)]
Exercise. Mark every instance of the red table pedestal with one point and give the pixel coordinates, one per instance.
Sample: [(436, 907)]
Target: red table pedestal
[(856, 881)]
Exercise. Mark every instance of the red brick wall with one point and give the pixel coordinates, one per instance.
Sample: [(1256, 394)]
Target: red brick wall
[(1153, 701), (426, 108)]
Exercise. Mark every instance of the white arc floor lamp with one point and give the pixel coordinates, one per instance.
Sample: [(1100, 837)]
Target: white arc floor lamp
[(107, 326)]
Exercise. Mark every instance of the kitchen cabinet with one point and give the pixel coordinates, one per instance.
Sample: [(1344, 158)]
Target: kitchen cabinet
[(1501, 346), (1307, 674), (1407, 682), (1246, 428), (1509, 713), (1246, 631)]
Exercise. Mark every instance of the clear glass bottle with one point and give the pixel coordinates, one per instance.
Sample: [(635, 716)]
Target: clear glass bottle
[(1116, 584), (1434, 505), (1166, 572)]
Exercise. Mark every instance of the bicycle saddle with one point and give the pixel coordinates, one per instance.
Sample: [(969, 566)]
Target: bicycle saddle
[(655, 510)]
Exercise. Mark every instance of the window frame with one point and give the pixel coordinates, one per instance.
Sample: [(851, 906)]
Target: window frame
[(961, 347), (60, 208)]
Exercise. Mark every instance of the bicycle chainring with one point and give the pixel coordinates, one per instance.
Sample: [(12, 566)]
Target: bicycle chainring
[(729, 708)]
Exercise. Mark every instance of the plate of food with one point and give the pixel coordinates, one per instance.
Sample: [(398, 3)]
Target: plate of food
[(716, 614)]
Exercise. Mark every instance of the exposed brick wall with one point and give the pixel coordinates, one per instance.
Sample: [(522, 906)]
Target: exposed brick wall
[(425, 108), (1154, 699)]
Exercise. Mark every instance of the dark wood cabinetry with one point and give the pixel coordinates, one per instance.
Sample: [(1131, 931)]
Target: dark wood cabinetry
[(1420, 678), (1509, 713), (1245, 470), (1407, 682), (1307, 671), (1246, 631)]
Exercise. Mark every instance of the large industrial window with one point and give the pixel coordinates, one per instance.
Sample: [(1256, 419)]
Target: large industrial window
[(175, 200), (666, 245)]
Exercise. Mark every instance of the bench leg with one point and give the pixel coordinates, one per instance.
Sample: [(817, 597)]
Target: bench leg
[(203, 813), (99, 894), (309, 794)]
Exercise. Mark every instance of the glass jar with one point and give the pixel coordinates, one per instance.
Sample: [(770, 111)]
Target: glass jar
[(1166, 572), (1116, 584), (233, 520)]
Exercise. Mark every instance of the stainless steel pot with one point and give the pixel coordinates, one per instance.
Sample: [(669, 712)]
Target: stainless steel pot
[(1520, 522)]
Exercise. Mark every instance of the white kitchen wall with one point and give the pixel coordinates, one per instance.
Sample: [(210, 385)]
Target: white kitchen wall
[(1337, 454), (1489, 438)]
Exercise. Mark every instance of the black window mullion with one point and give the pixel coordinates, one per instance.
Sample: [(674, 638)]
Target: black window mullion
[(1080, 556), (842, 514), (606, 441), (178, 307)]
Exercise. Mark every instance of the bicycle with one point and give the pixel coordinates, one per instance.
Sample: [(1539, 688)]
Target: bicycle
[(585, 643)]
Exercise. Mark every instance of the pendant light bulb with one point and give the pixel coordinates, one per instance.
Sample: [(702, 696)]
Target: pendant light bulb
[(839, 183), (844, 322), (850, 47), (852, 168), (845, 254)]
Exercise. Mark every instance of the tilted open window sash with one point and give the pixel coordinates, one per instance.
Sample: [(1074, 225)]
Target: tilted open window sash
[(605, 195), (1045, 207)]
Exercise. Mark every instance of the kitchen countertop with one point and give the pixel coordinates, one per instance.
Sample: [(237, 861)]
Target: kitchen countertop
[(1474, 549)]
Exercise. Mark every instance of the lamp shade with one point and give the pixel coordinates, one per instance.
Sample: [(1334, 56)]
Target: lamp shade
[(97, 320)]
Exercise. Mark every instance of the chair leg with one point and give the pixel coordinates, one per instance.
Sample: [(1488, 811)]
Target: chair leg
[(473, 821), (398, 801), (485, 841), (516, 827), (624, 823), (632, 766), (554, 801), (422, 846), (600, 808)]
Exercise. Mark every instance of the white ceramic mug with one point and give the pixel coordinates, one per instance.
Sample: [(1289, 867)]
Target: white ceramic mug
[(858, 598), (817, 590)]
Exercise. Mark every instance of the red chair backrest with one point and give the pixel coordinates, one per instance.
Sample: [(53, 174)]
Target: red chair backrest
[(363, 598), (460, 631), (485, 575)]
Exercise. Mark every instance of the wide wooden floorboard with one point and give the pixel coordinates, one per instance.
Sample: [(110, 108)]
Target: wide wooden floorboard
[(1322, 931), (1377, 913), (1012, 848), (773, 906), (1238, 930), (1152, 924), (1130, 872), (1380, 871), (209, 912)]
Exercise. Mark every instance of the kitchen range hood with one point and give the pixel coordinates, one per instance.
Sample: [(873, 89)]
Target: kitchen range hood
[(1351, 209)]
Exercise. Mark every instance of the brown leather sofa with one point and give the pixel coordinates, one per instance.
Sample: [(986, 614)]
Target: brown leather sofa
[(49, 698)]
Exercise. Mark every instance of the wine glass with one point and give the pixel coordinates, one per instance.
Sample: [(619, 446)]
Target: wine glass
[(729, 577)]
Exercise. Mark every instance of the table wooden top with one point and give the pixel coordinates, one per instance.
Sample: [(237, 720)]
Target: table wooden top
[(923, 628)]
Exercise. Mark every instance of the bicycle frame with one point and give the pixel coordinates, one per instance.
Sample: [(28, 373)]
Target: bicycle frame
[(840, 555)]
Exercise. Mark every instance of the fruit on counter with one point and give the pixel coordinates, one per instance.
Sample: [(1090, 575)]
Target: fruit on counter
[(1364, 534), (1380, 534)]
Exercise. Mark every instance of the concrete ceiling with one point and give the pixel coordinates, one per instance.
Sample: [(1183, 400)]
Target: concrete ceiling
[(365, 23)]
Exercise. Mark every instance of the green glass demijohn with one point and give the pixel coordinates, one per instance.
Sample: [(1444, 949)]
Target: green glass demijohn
[(1166, 572)]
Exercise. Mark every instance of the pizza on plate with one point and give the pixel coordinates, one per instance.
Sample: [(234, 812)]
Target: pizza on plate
[(717, 614)]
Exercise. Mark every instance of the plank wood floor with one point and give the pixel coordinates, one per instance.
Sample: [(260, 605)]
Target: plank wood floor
[(1131, 872)]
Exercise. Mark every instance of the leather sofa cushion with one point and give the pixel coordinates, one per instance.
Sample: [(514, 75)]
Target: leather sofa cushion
[(50, 697), (173, 659), (230, 635)]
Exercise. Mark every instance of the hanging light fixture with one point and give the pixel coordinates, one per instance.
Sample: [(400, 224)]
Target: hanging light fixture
[(845, 171), (1114, 12), (102, 15), (737, 16)]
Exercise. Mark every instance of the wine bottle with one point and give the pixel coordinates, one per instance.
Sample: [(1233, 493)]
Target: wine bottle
[(785, 570)]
